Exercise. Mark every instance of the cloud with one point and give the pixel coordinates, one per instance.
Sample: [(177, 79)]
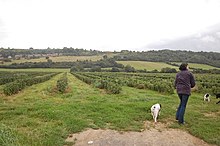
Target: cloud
[(218, 34), (208, 39)]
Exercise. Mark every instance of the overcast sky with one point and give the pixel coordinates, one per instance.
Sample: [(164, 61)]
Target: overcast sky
[(101, 24)]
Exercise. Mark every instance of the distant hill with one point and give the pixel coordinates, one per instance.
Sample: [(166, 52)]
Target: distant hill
[(207, 40), (17, 57), (209, 58)]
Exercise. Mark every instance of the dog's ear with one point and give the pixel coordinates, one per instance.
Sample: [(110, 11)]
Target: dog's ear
[(160, 106)]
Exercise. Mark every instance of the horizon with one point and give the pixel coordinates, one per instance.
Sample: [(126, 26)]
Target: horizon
[(162, 49)]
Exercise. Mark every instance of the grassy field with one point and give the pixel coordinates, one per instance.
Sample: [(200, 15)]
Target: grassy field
[(201, 66), (159, 65), (40, 116), (59, 59), (149, 66)]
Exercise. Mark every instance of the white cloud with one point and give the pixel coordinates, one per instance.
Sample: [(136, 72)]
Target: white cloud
[(208, 39), (218, 34), (98, 24)]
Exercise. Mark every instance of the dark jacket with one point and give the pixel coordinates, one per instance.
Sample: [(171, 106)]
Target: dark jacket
[(184, 82)]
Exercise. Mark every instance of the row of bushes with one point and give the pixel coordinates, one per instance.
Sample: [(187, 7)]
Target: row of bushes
[(110, 86), (62, 83), (7, 77), (18, 85), (157, 82), (162, 86)]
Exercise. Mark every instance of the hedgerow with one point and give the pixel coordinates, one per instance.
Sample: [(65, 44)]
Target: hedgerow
[(18, 85), (62, 83)]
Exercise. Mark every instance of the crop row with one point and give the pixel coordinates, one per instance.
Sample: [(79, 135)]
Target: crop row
[(62, 83), (112, 87), (18, 85), (161, 82), (7, 77)]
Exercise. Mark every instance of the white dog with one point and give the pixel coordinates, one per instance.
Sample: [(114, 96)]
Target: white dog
[(155, 111), (207, 97)]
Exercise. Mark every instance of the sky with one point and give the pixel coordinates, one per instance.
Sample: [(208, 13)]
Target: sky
[(104, 25)]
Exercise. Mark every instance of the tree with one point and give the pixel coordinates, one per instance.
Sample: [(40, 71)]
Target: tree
[(105, 57), (129, 68), (96, 69), (115, 69), (168, 70)]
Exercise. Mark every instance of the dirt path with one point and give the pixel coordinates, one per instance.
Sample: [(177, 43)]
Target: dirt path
[(151, 136)]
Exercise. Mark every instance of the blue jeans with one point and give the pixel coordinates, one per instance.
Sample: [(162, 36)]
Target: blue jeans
[(181, 109)]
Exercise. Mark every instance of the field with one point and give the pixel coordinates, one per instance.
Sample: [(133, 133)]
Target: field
[(146, 65), (58, 59), (41, 115), (201, 66), (149, 66)]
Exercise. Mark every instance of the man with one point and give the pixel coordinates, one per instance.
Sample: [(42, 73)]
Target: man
[(183, 83)]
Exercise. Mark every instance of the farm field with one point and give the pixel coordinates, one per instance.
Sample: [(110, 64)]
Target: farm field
[(149, 66), (159, 65), (47, 117), (201, 66), (59, 59)]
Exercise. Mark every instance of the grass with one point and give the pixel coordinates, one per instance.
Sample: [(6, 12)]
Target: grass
[(149, 66), (39, 115), (61, 59), (201, 66)]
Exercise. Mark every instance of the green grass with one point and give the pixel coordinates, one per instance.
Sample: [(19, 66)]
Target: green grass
[(159, 65), (39, 115), (149, 66), (61, 59), (200, 66)]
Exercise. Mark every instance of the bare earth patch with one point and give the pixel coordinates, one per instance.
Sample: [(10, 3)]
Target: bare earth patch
[(158, 135)]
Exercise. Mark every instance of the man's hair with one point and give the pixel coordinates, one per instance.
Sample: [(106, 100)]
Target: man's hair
[(183, 66)]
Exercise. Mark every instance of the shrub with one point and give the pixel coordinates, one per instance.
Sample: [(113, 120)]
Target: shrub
[(140, 86), (18, 85), (114, 88), (62, 83), (13, 87)]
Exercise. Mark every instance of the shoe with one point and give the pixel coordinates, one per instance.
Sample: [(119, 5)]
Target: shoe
[(181, 123)]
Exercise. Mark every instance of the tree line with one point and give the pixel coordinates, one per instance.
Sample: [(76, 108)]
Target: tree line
[(168, 56), (209, 58), (5, 53)]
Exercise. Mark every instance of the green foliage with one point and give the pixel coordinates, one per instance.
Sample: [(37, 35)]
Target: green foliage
[(210, 58), (62, 83), (111, 86), (14, 87), (168, 70), (18, 85), (129, 68), (208, 83)]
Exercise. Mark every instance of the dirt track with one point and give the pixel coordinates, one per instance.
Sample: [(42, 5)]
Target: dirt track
[(156, 136)]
